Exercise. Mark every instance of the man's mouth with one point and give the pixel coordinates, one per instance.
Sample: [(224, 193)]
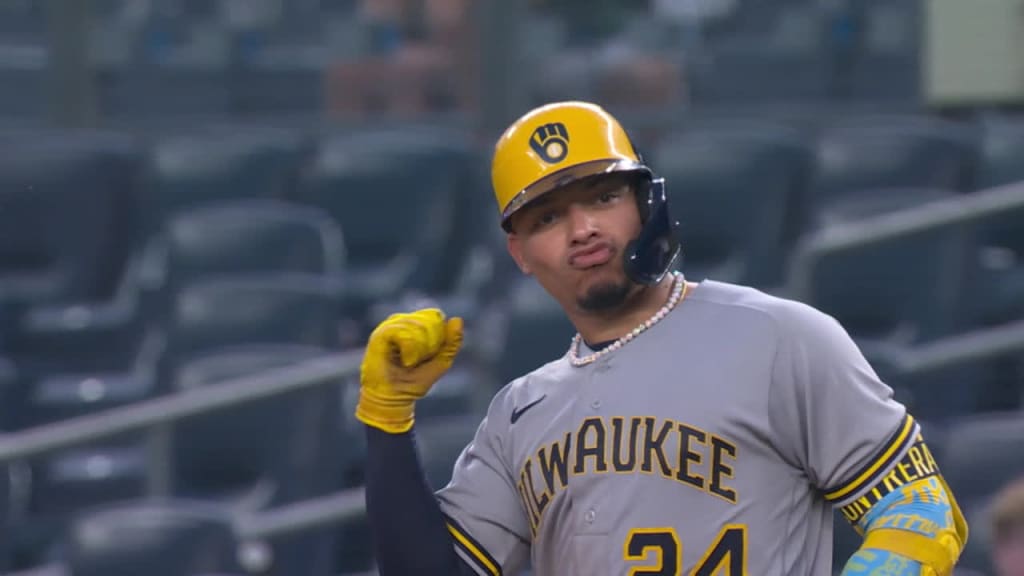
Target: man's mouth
[(593, 256)]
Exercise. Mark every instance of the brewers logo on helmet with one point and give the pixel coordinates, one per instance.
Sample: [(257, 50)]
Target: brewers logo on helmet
[(556, 144), (550, 142)]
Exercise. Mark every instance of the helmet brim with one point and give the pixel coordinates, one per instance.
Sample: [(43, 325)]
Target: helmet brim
[(565, 177)]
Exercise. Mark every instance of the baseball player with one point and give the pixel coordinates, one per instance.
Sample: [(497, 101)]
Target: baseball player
[(698, 428)]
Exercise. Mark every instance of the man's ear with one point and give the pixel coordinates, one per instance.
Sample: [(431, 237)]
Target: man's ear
[(516, 251)]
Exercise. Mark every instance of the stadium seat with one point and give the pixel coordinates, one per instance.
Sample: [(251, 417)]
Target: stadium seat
[(64, 216), (1001, 296), (23, 71), (1002, 164), (886, 66), (984, 452), (140, 89), (22, 19), (71, 480), (886, 151), (535, 332), (216, 315), (55, 396), (735, 189), (394, 194), (279, 78), (168, 538), (239, 456), (948, 392), (65, 231), (80, 339), (1002, 154), (253, 236), (67, 482), (490, 270), (870, 202), (10, 400), (271, 452), (205, 318), (766, 53), (238, 238), (900, 290), (196, 166), (746, 70), (440, 443), (970, 386)]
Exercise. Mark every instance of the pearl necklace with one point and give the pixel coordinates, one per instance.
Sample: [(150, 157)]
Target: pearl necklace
[(679, 290)]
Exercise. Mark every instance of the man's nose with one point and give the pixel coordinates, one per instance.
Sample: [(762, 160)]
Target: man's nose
[(581, 223)]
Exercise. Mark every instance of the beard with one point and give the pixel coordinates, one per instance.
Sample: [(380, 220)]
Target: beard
[(605, 296)]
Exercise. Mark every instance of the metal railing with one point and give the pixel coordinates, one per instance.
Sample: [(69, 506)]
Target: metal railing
[(157, 415), (961, 210), (956, 212), (982, 344)]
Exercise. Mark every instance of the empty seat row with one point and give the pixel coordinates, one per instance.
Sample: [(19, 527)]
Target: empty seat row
[(238, 463), (392, 188), (806, 51), (232, 203), (77, 213), (977, 455), (217, 328)]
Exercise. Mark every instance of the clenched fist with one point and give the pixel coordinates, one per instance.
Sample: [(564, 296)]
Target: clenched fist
[(407, 353)]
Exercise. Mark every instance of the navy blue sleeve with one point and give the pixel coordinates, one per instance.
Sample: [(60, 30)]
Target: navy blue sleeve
[(409, 531)]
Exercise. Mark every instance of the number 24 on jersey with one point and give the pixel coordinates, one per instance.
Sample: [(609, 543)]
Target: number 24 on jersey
[(727, 556)]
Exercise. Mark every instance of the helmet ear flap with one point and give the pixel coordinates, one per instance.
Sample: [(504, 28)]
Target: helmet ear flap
[(650, 256), (642, 188)]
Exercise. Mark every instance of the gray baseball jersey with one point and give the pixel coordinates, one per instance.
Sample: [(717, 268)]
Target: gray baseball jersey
[(716, 442)]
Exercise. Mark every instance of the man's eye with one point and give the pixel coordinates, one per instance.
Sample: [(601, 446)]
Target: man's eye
[(542, 220), (608, 196)]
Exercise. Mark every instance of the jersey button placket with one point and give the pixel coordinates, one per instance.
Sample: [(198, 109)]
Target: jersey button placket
[(600, 368)]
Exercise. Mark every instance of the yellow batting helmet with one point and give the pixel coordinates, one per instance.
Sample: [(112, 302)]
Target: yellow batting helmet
[(555, 144)]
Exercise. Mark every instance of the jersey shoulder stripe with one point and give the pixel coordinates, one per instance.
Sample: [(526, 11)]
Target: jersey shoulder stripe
[(471, 549), (877, 468)]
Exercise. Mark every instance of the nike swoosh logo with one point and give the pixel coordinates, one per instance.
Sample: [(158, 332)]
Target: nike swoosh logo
[(518, 412)]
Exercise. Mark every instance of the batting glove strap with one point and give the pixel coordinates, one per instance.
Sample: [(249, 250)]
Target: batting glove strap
[(392, 415)]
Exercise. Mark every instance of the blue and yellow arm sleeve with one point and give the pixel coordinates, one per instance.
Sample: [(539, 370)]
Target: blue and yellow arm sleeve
[(910, 520)]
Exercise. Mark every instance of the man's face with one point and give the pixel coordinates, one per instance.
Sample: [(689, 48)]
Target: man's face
[(572, 240), (1008, 555)]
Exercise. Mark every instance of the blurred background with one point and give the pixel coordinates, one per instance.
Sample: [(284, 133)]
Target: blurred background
[(205, 206)]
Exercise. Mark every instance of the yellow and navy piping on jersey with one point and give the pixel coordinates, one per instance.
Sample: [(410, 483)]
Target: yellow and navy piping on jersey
[(472, 551), (879, 472)]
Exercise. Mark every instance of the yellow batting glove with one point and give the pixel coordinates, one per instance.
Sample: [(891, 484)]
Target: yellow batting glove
[(407, 353)]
